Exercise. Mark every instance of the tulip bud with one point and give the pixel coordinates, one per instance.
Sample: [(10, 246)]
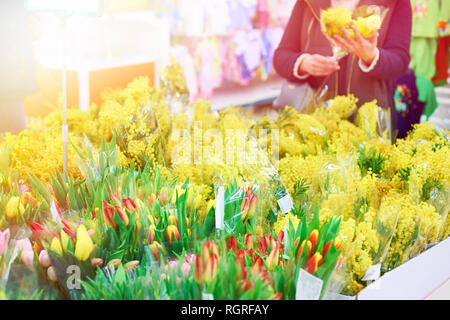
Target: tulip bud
[(44, 260), (115, 199), (131, 265), (339, 262), (252, 206), (273, 258), (56, 246), (108, 215), (151, 234), (51, 274), (173, 220), (171, 232), (186, 268), (95, 262), (314, 238), (338, 243), (151, 200), (115, 263), (12, 207), (249, 241), (314, 263), (232, 244), (95, 213), (84, 245), (69, 228), (300, 250), (122, 215), (326, 248), (129, 204), (162, 196)]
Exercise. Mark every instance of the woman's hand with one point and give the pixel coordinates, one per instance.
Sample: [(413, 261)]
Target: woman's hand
[(365, 49), (317, 65)]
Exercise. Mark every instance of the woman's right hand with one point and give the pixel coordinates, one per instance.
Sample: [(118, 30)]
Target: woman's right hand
[(317, 65)]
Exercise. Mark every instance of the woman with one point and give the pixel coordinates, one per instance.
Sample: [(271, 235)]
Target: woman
[(372, 66)]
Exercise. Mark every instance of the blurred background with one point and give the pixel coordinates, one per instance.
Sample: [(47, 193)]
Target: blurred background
[(225, 48)]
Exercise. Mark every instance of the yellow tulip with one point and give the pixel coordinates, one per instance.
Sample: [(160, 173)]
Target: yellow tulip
[(56, 246), (12, 208), (84, 245)]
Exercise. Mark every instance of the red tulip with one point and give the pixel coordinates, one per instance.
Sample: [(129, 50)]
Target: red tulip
[(314, 238), (338, 243), (115, 199), (151, 234), (151, 200), (249, 241), (108, 215), (122, 215), (273, 258), (314, 263), (130, 204), (70, 228), (162, 196), (232, 244), (326, 248)]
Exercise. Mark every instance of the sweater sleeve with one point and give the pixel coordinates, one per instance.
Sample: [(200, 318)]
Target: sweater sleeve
[(394, 55), (289, 50)]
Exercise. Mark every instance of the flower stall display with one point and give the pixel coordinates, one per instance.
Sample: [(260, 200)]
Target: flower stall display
[(150, 208)]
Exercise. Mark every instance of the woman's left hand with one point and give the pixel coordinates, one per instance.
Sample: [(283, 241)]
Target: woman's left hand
[(365, 49)]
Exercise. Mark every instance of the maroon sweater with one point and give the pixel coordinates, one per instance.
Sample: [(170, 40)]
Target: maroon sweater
[(394, 51)]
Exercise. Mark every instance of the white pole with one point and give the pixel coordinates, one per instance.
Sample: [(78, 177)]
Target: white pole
[(65, 129)]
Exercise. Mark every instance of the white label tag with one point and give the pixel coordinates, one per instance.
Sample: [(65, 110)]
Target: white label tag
[(220, 208), (207, 296), (308, 286), (373, 273), (286, 204)]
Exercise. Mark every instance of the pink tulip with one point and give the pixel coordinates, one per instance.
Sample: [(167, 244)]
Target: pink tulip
[(4, 239), (44, 259), (27, 255), (185, 268)]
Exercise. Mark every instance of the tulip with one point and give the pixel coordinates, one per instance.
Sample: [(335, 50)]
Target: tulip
[(326, 248), (252, 206), (115, 199), (151, 200), (95, 262), (122, 215), (338, 243), (151, 234), (38, 230), (186, 268), (51, 274), (108, 215), (314, 263), (339, 262), (273, 258), (64, 240), (263, 245), (232, 244), (84, 245), (173, 220), (58, 208), (23, 188), (276, 296), (13, 207), (95, 213), (131, 265), (44, 260), (114, 263), (171, 232), (162, 196), (300, 250), (314, 238), (27, 255), (56, 246), (249, 241), (280, 237), (69, 228), (4, 239), (156, 248), (129, 204)]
